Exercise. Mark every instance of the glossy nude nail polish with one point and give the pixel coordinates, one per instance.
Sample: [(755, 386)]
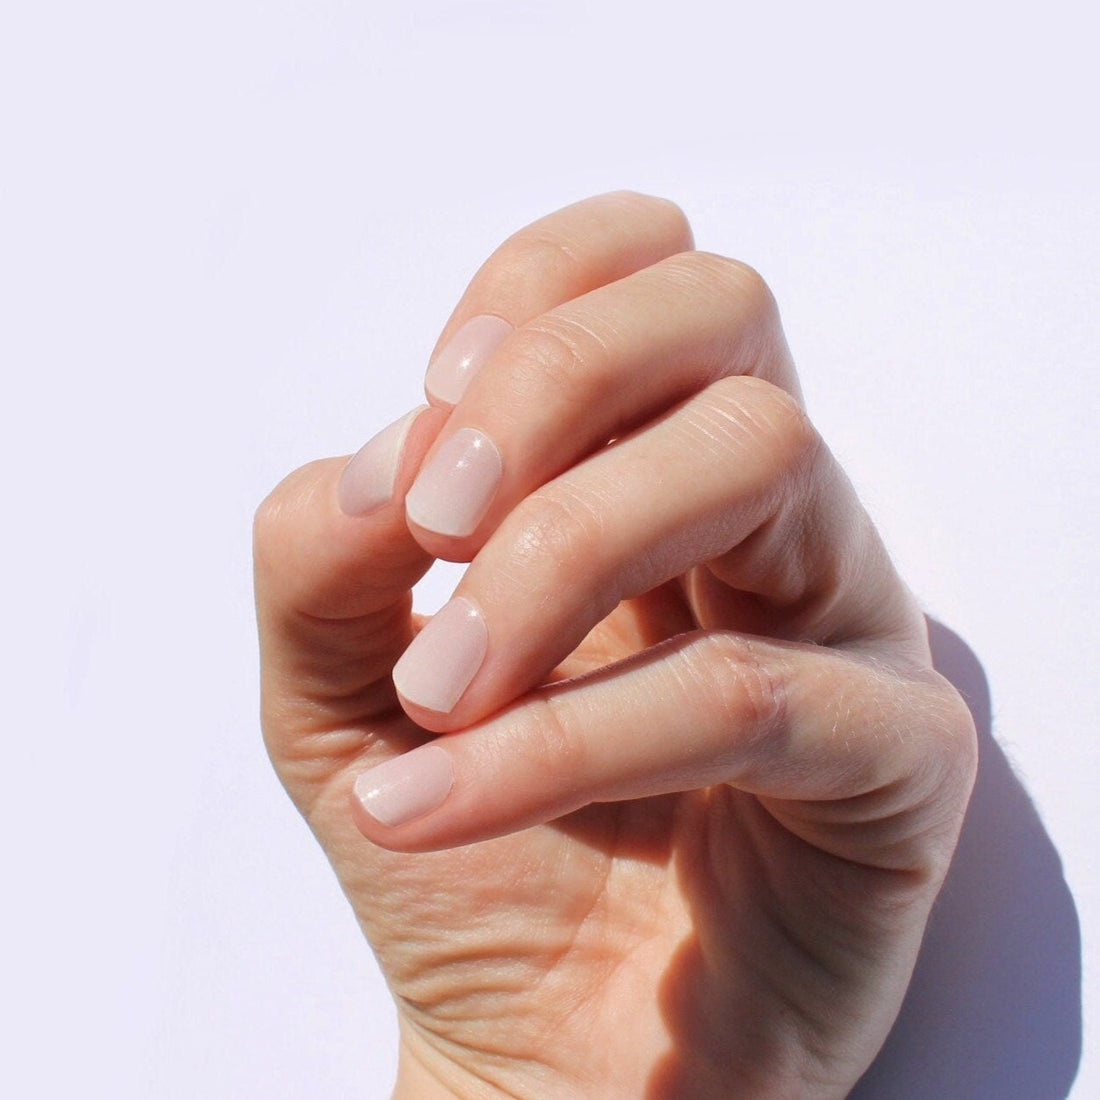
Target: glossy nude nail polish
[(406, 787), (443, 658), (369, 477), (449, 373), (453, 492)]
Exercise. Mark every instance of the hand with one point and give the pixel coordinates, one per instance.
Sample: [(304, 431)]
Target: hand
[(661, 800)]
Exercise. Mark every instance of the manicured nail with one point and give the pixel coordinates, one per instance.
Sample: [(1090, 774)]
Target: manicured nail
[(449, 373), (444, 657), (406, 787), (368, 479), (453, 492)]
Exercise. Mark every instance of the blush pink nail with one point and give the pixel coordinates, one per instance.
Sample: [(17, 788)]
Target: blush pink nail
[(449, 373), (444, 657), (369, 477), (453, 492), (406, 787)]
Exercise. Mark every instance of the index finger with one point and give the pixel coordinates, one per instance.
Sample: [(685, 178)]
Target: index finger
[(551, 261)]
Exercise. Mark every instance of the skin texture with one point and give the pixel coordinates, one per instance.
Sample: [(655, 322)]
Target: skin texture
[(706, 784)]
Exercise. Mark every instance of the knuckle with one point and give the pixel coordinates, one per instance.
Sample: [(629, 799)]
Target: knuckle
[(950, 717), (546, 252), (535, 256), (728, 671), (730, 278), (772, 418), (796, 437), (553, 538), (655, 209), (557, 742), (938, 747), (742, 279), (545, 355)]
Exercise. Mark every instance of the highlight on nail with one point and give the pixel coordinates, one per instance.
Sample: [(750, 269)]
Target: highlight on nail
[(449, 373), (455, 489), (406, 787)]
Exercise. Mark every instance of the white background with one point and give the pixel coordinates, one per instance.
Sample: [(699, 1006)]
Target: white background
[(229, 234)]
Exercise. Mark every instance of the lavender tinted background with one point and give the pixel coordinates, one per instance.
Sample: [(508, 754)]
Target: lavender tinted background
[(229, 233)]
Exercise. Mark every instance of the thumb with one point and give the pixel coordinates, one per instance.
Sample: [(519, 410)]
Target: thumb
[(334, 569)]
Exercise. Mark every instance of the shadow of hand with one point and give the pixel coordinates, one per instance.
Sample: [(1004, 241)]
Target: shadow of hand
[(994, 1008)]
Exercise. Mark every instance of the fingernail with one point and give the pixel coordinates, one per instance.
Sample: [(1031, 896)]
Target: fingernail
[(455, 489), (369, 477), (444, 657), (406, 787), (449, 373)]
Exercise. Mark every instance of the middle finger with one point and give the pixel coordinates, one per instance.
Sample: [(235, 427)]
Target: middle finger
[(591, 370)]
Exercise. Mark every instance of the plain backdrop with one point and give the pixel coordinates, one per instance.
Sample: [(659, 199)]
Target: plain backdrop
[(229, 234)]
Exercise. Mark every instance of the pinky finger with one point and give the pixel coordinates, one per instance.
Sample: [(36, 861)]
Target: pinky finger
[(859, 761)]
